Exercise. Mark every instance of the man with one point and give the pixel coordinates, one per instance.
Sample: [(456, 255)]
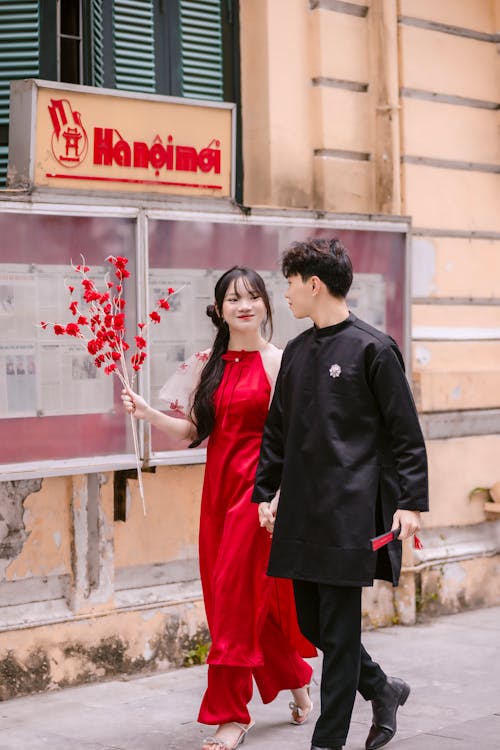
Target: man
[(343, 443)]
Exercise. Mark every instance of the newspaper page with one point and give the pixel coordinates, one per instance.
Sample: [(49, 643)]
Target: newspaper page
[(185, 328), (41, 373)]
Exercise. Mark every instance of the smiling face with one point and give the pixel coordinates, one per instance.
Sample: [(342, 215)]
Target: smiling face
[(243, 308), (299, 296)]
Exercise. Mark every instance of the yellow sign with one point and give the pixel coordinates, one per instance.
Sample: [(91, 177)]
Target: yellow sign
[(97, 139)]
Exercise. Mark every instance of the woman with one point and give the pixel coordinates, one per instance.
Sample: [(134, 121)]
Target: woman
[(251, 617)]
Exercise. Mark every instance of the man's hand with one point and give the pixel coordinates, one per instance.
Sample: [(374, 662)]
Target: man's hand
[(409, 520), (266, 517)]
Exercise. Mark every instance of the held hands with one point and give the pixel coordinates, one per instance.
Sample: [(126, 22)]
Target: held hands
[(267, 514), (134, 403), (409, 520), (266, 517)]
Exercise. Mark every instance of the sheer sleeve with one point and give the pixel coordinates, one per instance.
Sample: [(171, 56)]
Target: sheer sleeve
[(177, 393)]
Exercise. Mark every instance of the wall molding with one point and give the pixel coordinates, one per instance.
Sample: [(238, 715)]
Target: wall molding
[(339, 6), (454, 301), (337, 153), (460, 101), (340, 83), (469, 166), (456, 424), (445, 28), (468, 234), (454, 333)]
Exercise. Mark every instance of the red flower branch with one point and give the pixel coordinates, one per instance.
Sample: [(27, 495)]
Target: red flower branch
[(100, 328)]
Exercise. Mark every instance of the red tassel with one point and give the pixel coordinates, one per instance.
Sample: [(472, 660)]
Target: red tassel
[(382, 540), (417, 543)]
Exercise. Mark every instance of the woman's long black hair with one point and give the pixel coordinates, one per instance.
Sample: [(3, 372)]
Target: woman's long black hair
[(203, 409)]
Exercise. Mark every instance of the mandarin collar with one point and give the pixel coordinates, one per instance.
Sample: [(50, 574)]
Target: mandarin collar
[(231, 355), (332, 330)]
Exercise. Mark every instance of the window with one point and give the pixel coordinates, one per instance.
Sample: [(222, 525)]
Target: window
[(69, 41)]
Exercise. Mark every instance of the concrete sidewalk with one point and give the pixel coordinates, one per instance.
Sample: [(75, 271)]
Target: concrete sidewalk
[(452, 664)]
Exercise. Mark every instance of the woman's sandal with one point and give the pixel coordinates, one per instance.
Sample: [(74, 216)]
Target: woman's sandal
[(216, 743), (300, 715)]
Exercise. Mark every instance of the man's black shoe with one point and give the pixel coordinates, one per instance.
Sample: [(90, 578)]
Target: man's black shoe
[(393, 695), (337, 747)]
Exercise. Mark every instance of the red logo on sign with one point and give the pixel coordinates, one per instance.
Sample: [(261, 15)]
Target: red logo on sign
[(69, 139)]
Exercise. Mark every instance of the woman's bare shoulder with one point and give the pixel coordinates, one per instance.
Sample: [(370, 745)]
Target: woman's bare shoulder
[(271, 359), (272, 353)]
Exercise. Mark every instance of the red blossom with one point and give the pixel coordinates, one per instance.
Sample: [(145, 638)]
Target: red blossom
[(43, 324), (82, 321), (109, 284), (116, 356), (93, 346), (82, 269), (137, 360), (140, 342), (71, 289), (140, 325), (119, 322), (72, 329), (154, 316), (118, 288), (170, 290), (164, 304), (90, 295), (122, 273), (104, 298), (59, 330), (73, 306), (109, 369)]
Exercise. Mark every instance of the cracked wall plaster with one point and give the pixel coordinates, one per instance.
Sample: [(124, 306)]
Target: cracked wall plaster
[(13, 532)]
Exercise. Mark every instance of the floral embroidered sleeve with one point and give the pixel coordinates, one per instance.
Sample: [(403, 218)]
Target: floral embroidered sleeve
[(177, 393)]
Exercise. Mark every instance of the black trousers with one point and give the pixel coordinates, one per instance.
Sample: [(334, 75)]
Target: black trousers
[(330, 617)]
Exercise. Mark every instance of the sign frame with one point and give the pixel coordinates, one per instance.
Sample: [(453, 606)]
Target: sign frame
[(25, 156)]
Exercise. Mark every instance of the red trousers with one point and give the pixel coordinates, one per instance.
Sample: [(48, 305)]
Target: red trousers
[(230, 689)]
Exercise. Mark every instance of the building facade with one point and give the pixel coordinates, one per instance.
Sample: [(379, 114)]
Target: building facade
[(376, 120)]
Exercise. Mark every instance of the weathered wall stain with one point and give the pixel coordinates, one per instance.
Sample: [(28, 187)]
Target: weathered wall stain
[(20, 679), (13, 533), (175, 646), (172, 647)]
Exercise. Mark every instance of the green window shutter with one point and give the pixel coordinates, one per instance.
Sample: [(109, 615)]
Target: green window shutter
[(133, 45), (19, 58), (201, 49), (97, 43)]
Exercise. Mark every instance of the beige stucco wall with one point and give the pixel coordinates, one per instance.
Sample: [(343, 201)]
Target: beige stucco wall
[(169, 530)]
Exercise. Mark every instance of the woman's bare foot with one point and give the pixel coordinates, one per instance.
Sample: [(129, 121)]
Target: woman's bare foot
[(301, 706), (227, 737)]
